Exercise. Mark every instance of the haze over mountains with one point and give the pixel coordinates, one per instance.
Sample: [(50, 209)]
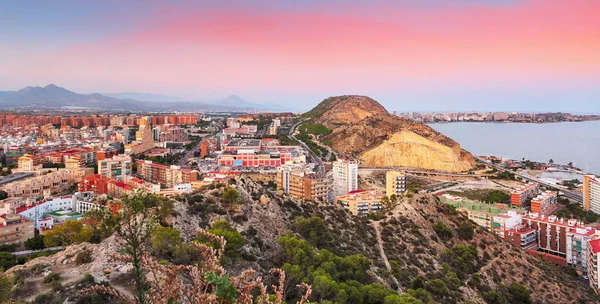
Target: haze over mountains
[(55, 97)]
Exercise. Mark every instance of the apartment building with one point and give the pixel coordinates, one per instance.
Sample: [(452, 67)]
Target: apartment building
[(545, 203), (46, 184), (15, 229), (395, 182), (522, 236), (117, 167), (301, 185), (361, 202), (479, 212), (593, 262), (28, 163), (591, 193), (345, 176), (519, 196), (165, 175), (505, 221), (94, 183), (559, 241)]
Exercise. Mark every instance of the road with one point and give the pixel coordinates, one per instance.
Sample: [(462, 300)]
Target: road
[(189, 154), (320, 167), (565, 191)]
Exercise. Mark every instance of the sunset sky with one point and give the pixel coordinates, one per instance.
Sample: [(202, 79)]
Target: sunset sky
[(411, 55)]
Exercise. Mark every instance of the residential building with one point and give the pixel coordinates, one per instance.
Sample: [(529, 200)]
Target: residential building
[(546, 203), (117, 167), (593, 262), (519, 196), (94, 183), (591, 193), (522, 237), (165, 175), (395, 182), (15, 230), (301, 185), (361, 202), (46, 184), (505, 221), (28, 163), (559, 241), (345, 176)]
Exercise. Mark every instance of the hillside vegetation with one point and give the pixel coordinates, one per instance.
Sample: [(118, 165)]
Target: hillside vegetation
[(436, 255)]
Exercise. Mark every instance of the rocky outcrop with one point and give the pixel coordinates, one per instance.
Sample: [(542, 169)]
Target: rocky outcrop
[(409, 149), (362, 128)]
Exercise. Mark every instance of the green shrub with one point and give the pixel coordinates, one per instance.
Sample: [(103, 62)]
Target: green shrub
[(84, 257), (51, 277), (443, 231)]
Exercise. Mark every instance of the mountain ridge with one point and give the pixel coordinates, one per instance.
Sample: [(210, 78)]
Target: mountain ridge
[(52, 96)]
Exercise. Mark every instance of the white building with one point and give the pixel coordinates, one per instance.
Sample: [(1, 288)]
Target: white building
[(345, 177)]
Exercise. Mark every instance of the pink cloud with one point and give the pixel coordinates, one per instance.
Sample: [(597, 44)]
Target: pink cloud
[(377, 48)]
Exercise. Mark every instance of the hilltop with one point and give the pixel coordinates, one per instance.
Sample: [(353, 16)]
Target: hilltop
[(362, 127)]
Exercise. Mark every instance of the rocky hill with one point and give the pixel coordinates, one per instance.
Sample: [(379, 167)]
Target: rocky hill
[(421, 248), (361, 127)]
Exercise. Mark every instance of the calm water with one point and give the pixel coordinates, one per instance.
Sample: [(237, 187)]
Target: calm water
[(577, 142)]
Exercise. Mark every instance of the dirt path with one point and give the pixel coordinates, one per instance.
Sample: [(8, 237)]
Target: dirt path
[(383, 255)]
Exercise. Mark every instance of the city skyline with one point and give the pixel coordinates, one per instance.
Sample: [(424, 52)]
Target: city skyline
[(527, 56)]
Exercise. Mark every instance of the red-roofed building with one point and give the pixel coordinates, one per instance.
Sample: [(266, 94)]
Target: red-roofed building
[(95, 183), (593, 262)]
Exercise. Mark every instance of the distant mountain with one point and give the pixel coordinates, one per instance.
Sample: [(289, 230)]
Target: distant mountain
[(145, 97), (55, 97)]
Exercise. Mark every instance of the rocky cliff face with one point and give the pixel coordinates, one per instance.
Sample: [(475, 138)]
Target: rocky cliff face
[(363, 128)]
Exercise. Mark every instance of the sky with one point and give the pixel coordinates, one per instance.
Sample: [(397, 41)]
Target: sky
[(410, 55)]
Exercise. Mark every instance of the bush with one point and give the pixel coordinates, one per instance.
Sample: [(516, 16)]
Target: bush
[(443, 231), (51, 277), (438, 287), (47, 298), (465, 231), (38, 268), (84, 257)]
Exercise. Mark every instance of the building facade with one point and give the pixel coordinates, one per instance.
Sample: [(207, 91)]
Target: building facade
[(591, 193), (345, 177), (15, 230), (117, 167), (519, 196), (361, 202), (168, 176), (395, 182), (291, 179)]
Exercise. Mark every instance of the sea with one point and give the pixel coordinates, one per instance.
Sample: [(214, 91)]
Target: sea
[(563, 142)]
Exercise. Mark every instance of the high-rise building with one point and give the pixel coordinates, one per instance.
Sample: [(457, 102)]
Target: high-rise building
[(395, 182), (591, 193), (345, 176), (116, 167)]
